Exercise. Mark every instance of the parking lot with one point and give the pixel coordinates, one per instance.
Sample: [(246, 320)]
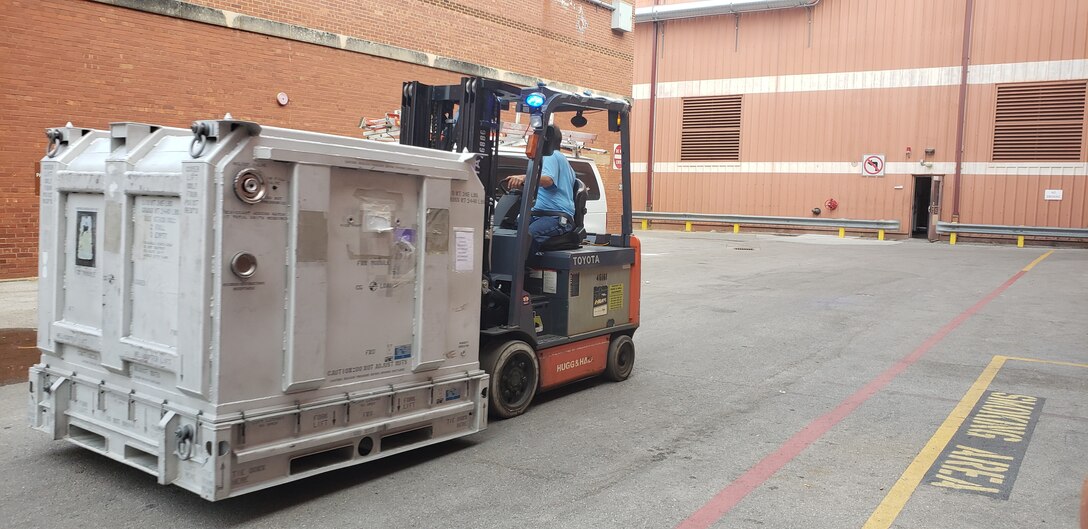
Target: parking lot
[(780, 382)]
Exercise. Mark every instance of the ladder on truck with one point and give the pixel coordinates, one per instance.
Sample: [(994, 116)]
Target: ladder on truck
[(387, 129)]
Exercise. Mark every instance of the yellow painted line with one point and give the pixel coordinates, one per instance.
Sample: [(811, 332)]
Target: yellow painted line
[(1019, 241), (736, 228), (687, 226), (952, 238), (645, 224), (1051, 362), (842, 233), (897, 497), (1037, 261), (880, 235)]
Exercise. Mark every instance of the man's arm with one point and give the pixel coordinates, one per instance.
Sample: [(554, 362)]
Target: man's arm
[(548, 173), (518, 180)]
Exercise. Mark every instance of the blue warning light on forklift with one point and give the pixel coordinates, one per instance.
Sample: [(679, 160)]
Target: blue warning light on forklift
[(534, 100)]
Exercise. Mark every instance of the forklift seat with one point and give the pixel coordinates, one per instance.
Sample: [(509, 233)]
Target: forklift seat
[(572, 240)]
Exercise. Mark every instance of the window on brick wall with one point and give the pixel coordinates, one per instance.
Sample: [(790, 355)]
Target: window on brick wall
[(1039, 121), (711, 129)]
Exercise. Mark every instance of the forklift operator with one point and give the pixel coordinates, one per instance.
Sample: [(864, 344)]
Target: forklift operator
[(553, 212)]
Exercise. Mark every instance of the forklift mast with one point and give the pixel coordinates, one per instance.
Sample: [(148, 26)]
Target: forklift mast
[(465, 118)]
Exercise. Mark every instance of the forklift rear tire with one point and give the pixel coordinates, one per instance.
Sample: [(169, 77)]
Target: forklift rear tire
[(515, 374), (621, 358)]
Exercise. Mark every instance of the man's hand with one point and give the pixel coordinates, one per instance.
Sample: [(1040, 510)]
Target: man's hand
[(515, 182)]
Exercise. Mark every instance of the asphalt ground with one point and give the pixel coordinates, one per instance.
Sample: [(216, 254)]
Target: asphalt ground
[(780, 382)]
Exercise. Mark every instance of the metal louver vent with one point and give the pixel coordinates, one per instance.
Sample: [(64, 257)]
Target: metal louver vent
[(711, 129), (1039, 121)]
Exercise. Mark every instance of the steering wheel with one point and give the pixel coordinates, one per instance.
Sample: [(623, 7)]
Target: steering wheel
[(506, 190)]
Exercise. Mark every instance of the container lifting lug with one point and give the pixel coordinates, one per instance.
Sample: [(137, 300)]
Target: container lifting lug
[(184, 436), (200, 139)]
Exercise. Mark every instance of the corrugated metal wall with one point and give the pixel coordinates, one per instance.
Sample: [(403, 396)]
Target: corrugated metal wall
[(823, 87)]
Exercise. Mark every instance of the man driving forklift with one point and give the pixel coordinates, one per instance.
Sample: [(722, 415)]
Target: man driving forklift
[(553, 212)]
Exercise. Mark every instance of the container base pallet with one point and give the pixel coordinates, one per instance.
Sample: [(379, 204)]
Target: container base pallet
[(228, 456)]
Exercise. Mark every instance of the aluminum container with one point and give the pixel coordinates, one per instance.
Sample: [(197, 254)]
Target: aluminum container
[(234, 306)]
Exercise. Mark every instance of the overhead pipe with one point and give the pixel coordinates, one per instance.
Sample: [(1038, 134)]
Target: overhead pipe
[(707, 8)]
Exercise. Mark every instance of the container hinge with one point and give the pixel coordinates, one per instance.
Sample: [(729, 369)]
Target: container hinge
[(242, 430), (132, 405), (298, 418), (102, 396)]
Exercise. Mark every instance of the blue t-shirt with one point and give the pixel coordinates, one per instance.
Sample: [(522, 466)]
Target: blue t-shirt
[(560, 196)]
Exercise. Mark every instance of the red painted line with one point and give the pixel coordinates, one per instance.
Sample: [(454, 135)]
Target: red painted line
[(731, 495)]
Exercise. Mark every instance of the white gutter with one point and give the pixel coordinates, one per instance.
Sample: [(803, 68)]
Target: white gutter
[(714, 7)]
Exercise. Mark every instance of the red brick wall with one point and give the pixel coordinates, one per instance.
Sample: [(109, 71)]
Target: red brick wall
[(582, 48), (91, 64)]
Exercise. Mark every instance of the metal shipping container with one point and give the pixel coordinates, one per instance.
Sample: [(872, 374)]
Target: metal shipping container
[(237, 306)]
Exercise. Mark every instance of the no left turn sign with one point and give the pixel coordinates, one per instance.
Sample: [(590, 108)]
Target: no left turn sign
[(872, 165)]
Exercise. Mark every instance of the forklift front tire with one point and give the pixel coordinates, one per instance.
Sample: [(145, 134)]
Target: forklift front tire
[(515, 374), (621, 358)]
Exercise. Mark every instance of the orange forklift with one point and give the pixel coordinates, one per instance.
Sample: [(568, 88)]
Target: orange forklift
[(563, 314)]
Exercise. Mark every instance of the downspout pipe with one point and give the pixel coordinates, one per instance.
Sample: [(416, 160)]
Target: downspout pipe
[(707, 8), (961, 116), (653, 120)]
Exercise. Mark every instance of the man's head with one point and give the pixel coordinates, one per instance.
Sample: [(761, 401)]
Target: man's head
[(553, 139)]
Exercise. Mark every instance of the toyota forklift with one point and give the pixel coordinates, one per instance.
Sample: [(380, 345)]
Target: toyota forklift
[(569, 312)]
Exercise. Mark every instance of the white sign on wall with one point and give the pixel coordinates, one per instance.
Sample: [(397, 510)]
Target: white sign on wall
[(1052, 194), (872, 165)]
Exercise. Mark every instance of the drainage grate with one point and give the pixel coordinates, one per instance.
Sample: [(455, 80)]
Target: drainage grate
[(740, 248)]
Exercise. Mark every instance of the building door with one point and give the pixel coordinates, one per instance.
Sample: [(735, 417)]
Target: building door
[(923, 186), (927, 206)]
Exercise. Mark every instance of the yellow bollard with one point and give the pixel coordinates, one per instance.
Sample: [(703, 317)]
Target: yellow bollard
[(880, 235), (687, 226), (736, 228), (952, 238), (645, 224), (1019, 241), (842, 233)]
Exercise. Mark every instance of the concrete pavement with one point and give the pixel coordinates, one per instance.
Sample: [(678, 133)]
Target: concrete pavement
[(749, 343)]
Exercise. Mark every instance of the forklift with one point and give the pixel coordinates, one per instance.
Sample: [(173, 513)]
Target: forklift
[(568, 312)]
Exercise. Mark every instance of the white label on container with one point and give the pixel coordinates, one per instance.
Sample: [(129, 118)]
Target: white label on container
[(157, 229), (463, 249), (1052, 194), (551, 277)]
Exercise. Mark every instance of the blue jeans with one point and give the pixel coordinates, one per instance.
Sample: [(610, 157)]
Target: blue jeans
[(544, 228)]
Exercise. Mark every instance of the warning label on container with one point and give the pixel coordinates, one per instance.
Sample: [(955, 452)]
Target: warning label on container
[(402, 352), (463, 251), (157, 230), (86, 226)]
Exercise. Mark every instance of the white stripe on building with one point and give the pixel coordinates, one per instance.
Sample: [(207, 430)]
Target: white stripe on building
[(854, 168), (867, 80)]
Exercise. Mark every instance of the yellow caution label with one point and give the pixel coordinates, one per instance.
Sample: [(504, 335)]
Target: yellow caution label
[(615, 296)]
